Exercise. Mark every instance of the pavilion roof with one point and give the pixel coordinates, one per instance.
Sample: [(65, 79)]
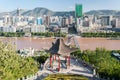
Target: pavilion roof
[(59, 47)]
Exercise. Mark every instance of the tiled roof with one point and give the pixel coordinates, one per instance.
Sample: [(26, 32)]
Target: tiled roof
[(59, 47)]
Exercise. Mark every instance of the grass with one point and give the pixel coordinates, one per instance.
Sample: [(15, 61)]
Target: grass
[(65, 77)]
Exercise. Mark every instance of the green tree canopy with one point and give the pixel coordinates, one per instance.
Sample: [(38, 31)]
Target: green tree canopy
[(13, 66)]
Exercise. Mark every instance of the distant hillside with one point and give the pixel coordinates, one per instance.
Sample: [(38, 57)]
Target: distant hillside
[(12, 13), (43, 11), (39, 11), (64, 13), (103, 12)]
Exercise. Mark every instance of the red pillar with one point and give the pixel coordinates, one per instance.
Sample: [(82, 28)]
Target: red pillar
[(55, 57), (69, 61), (66, 58), (66, 61), (50, 60), (58, 63)]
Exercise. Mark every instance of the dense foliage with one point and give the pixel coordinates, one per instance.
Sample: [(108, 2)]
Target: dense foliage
[(65, 77), (13, 66), (21, 34), (50, 34), (41, 56), (12, 34), (116, 34), (106, 65)]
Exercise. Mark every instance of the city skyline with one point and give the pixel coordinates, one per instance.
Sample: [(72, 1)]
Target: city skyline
[(59, 5)]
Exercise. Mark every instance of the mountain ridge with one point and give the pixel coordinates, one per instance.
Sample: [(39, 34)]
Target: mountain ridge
[(103, 12), (40, 11)]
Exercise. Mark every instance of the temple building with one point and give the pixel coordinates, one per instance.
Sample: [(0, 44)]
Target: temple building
[(59, 48)]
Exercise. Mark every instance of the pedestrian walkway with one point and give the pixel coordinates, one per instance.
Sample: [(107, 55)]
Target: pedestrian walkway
[(75, 68)]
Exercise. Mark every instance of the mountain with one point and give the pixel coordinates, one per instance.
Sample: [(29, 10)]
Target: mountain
[(39, 11), (103, 12), (12, 13), (43, 11), (64, 13)]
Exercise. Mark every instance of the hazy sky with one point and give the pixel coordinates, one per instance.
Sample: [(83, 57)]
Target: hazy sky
[(59, 5)]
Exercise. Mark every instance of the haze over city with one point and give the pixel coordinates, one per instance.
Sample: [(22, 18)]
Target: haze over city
[(59, 5)]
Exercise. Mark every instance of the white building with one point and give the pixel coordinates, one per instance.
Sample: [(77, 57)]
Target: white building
[(60, 21), (117, 23), (106, 20), (40, 28), (71, 20), (1, 23), (27, 29), (64, 30), (24, 23), (8, 29), (54, 19)]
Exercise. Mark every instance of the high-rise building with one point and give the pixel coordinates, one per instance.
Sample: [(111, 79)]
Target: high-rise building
[(70, 19), (106, 20), (39, 21), (1, 22), (115, 23), (78, 16), (7, 19), (18, 12), (54, 19), (60, 21), (39, 28), (78, 10), (65, 22), (47, 20), (8, 29), (118, 23)]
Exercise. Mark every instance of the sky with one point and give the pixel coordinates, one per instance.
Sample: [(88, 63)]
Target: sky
[(59, 5)]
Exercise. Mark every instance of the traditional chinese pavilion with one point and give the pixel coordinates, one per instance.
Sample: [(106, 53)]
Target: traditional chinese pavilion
[(59, 48)]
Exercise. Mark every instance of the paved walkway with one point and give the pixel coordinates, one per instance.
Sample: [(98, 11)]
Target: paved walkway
[(75, 68)]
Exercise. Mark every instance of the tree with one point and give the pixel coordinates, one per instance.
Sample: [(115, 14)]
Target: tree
[(13, 66), (106, 65)]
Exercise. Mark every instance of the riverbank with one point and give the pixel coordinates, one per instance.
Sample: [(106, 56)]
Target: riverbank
[(100, 34), (39, 34)]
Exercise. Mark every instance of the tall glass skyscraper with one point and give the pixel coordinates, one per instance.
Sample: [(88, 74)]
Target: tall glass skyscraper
[(78, 10), (39, 21), (78, 16)]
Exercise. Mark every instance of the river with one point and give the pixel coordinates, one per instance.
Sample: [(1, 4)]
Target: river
[(46, 43)]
